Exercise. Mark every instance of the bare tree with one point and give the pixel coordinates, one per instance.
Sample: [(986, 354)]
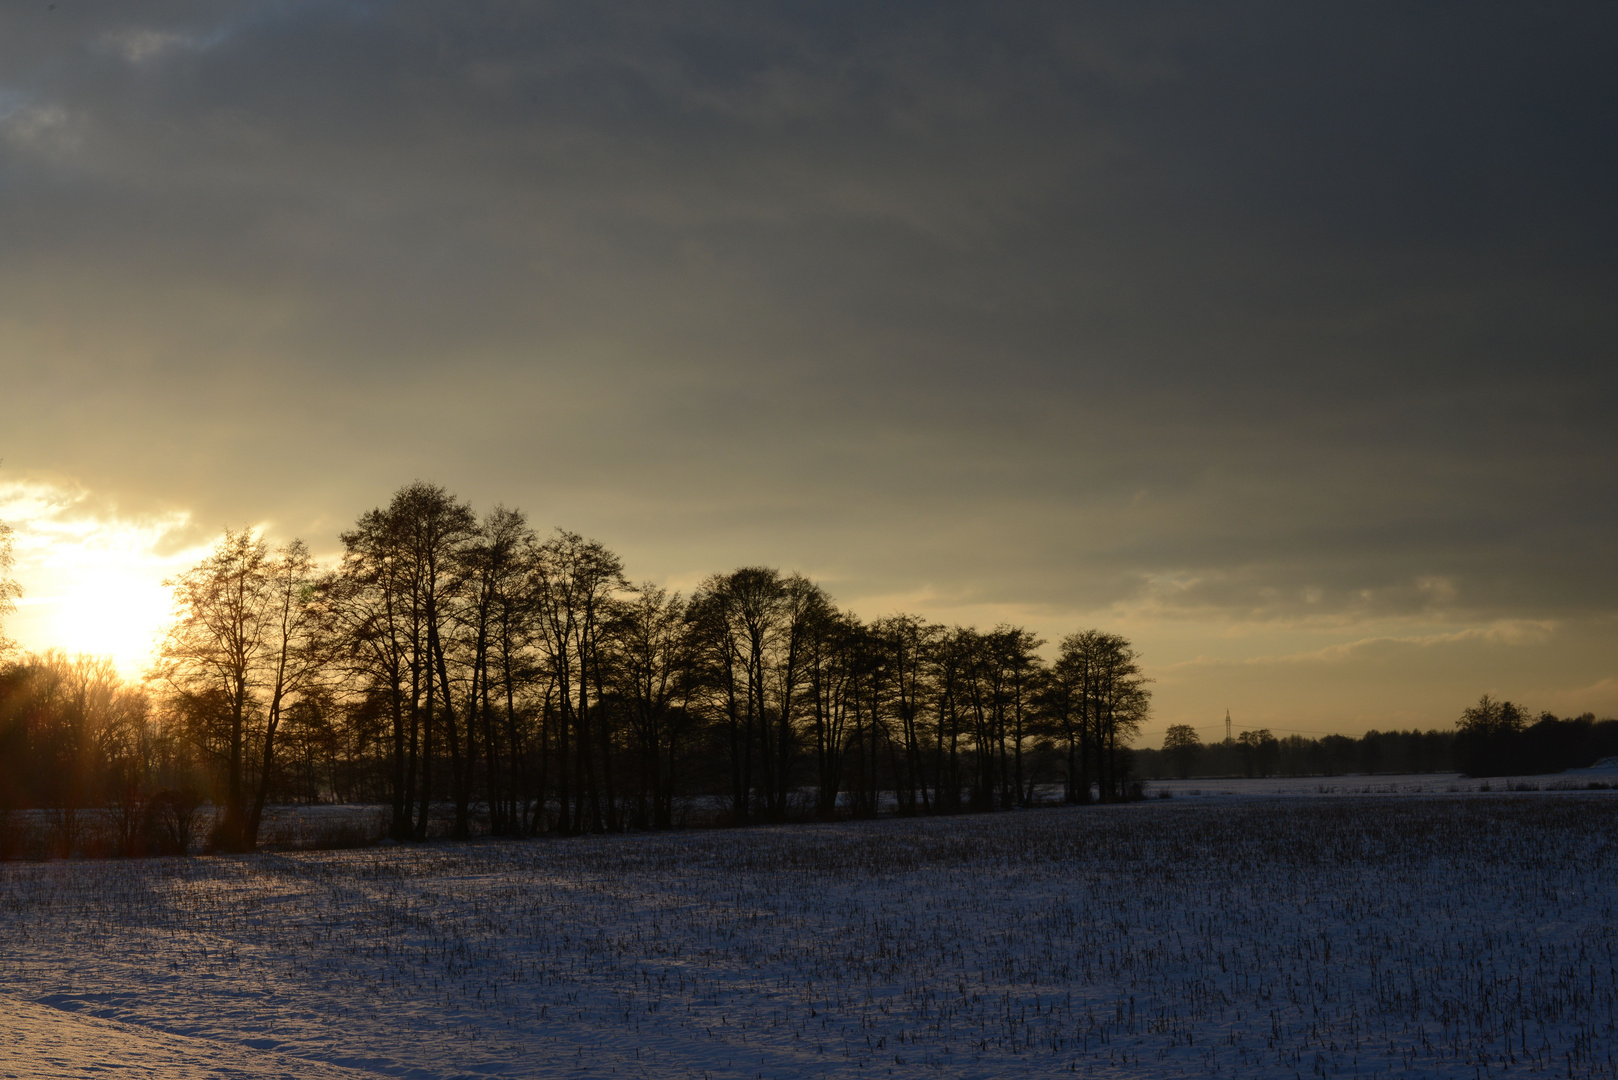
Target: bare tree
[(832, 656), (396, 597), (211, 656), (909, 643), (980, 695), (70, 730), (1017, 674), (1122, 704), (526, 684), (754, 625), (946, 674), (1065, 702), (233, 655), (803, 605), (494, 571), (1099, 699), (650, 674), (10, 591), (436, 525), (292, 660), (373, 606), (1491, 715), (574, 581)]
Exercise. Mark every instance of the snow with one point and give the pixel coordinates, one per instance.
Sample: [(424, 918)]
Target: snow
[(1379, 784), (42, 1041), (1417, 934)]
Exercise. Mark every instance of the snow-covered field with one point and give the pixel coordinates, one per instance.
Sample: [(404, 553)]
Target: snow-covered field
[(1433, 934), (1592, 779)]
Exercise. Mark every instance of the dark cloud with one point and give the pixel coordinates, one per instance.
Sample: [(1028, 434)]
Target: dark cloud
[(1251, 312)]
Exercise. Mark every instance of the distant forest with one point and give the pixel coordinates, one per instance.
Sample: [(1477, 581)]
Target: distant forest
[(1491, 738), (476, 677)]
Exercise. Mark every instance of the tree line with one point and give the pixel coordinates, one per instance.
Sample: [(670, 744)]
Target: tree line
[(1492, 738), (1500, 738), (474, 676), (1260, 753)]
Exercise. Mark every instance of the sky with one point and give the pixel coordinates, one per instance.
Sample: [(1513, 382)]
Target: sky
[(1282, 339)]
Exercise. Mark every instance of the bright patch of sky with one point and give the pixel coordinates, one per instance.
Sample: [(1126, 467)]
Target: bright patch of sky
[(92, 578)]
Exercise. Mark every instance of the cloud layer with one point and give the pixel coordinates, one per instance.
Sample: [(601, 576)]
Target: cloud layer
[(1298, 321)]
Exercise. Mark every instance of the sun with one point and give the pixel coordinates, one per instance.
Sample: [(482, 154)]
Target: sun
[(113, 610), (92, 580)]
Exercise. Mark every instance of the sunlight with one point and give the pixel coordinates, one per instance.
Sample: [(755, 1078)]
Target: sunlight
[(92, 579)]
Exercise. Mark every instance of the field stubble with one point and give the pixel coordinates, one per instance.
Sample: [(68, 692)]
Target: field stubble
[(1436, 936)]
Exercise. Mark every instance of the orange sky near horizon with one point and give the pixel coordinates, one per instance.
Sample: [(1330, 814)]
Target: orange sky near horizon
[(93, 582)]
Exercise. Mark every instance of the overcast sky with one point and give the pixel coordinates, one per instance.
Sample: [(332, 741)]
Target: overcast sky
[(1278, 337)]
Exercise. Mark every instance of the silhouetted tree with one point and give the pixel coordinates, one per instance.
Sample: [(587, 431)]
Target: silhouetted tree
[(952, 657), (292, 660), (1551, 744), (909, 643), (395, 599), (1065, 702), (212, 657), (1259, 750), (238, 651), (753, 628), (1182, 746), (10, 591), (373, 606), (649, 672), (495, 567), (832, 655), (74, 736), (1105, 700), (556, 696), (574, 582), (1016, 653), (1487, 737), (436, 525)]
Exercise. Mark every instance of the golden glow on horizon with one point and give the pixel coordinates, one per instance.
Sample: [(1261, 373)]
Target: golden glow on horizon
[(92, 580)]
